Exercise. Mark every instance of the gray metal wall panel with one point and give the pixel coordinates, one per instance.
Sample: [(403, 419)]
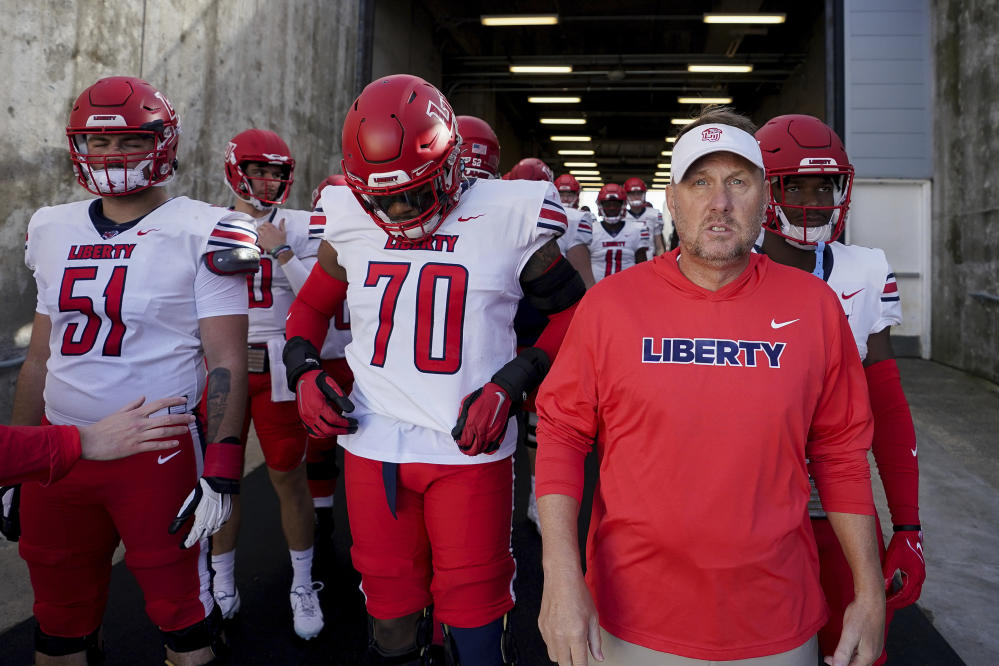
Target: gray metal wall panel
[(888, 113)]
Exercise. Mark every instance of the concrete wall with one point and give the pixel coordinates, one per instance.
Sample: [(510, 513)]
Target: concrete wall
[(404, 41), (224, 64), (965, 187)]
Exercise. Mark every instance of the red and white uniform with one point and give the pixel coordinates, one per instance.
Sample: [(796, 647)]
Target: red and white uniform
[(611, 254), (705, 493), (866, 287), (650, 217), (579, 231), (125, 322), (432, 321)]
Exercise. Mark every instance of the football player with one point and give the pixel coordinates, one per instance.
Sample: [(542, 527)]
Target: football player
[(617, 242), (260, 170), (432, 268), (643, 211), (136, 291), (811, 179), (480, 149)]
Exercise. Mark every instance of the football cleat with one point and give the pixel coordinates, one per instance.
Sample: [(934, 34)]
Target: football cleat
[(306, 611)]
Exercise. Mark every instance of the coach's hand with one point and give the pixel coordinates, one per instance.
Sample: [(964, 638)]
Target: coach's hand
[(10, 520), (482, 420), (210, 502), (905, 554), (317, 396)]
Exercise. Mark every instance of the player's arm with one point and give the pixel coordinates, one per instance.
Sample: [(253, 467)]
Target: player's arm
[(641, 254), (579, 257), (553, 287), (28, 402), (660, 246), (321, 401), (894, 447)]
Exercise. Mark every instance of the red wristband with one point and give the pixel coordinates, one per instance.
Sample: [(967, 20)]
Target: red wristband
[(224, 460)]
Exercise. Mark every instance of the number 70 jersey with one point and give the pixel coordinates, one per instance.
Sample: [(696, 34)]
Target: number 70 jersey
[(432, 321)]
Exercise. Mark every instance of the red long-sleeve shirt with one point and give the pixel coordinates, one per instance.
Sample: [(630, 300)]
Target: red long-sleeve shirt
[(704, 409), (37, 453)]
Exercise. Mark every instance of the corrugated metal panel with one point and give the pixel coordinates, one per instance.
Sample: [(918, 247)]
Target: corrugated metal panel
[(887, 72)]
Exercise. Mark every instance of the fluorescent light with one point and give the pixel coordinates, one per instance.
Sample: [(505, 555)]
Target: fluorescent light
[(577, 152), (704, 100), (554, 100), (585, 178), (745, 18), (721, 69), (563, 121), (584, 165), (666, 153), (568, 137), (541, 69), (585, 172), (671, 139), (501, 20), (662, 165), (662, 174), (681, 121)]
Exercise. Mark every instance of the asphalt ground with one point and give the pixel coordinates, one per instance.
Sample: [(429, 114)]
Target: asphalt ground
[(262, 632)]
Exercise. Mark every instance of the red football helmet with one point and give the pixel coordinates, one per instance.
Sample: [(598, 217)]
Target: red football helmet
[(568, 189), (123, 105), (610, 203), (334, 179), (480, 149), (804, 146), (530, 168), (265, 147), (400, 155), (635, 190)]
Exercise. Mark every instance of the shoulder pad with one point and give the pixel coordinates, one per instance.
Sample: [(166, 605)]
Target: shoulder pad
[(233, 261)]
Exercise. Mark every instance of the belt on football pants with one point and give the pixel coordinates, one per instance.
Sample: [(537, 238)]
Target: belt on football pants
[(257, 360), (390, 479)]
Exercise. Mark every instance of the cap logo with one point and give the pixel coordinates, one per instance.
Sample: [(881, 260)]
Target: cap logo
[(711, 134)]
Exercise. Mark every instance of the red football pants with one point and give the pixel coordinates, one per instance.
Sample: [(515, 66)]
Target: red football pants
[(450, 545), (320, 456), (281, 434), (837, 583), (70, 530)]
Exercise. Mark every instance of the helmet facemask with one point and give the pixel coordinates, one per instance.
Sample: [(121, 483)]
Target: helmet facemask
[(636, 200), (611, 210), (263, 200), (807, 218), (568, 197), (122, 173)]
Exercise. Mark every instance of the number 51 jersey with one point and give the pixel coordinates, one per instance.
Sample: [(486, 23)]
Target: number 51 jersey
[(125, 310), (432, 321)]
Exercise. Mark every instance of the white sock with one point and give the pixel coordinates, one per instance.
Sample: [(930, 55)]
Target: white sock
[(224, 566), (301, 566), (322, 502)]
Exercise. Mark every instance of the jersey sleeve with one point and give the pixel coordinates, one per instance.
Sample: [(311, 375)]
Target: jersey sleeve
[(232, 230), (551, 222), (219, 295), (584, 232), (891, 304), (317, 225), (300, 237)]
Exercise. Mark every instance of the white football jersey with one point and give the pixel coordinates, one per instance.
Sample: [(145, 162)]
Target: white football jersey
[(432, 321), (269, 290), (611, 254), (338, 337), (125, 311), (651, 217), (866, 288), (580, 229)]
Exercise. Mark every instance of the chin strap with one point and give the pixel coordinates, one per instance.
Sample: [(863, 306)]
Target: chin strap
[(820, 252)]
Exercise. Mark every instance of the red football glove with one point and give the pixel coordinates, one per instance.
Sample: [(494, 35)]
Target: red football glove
[(317, 395), (905, 554), (482, 420)]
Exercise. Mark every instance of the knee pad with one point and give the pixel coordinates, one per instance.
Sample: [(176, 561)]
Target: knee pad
[(204, 634), (58, 646), (416, 653), (488, 645)]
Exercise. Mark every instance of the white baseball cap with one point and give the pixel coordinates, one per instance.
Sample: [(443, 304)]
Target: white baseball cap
[(713, 138)]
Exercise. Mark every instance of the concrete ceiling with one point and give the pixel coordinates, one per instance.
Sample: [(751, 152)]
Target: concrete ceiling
[(629, 64)]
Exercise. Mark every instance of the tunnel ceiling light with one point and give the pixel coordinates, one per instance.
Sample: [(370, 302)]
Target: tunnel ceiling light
[(586, 178), (751, 19), (704, 100), (563, 121), (671, 139), (541, 69), (662, 165), (720, 69), (569, 137), (584, 165), (554, 100), (667, 153), (585, 172), (577, 152), (681, 121), (662, 174), (504, 20)]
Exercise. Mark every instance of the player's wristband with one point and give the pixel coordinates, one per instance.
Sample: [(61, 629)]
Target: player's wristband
[(907, 528), (224, 464), (279, 249), (523, 374)]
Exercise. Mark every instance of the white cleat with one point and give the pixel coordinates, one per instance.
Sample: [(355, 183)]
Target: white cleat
[(227, 603), (532, 508), (306, 611)]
